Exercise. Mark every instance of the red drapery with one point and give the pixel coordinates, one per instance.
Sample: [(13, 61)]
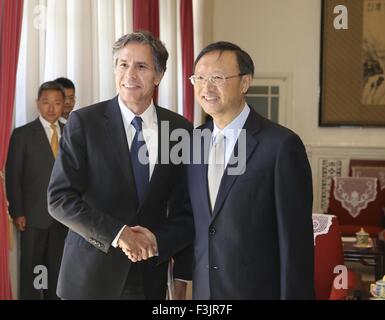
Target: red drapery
[(10, 30), (146, 17), (187, 40)]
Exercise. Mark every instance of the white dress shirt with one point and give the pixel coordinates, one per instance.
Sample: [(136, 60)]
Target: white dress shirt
[(231, 132), (150, 134), (63, 120), (48, 130), (150, 130)]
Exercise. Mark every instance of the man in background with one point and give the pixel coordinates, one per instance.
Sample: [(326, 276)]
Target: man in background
[(70, 98), (32, 151)]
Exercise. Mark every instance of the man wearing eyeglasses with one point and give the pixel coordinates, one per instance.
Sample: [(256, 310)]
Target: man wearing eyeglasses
[(254, 233), (70, 98)]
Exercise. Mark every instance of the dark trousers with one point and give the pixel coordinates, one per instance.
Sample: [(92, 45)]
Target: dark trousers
[(133, 288), (41, 247)]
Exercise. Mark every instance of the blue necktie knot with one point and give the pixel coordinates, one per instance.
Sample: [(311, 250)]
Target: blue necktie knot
[(137, 123)]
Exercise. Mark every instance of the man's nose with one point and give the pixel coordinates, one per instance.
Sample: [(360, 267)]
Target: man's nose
[(51, 108), (206, 84), (130, 72)]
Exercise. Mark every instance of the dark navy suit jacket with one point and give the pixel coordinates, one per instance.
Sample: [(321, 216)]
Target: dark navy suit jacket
[(29, 167), (92, 191), (258, 241)]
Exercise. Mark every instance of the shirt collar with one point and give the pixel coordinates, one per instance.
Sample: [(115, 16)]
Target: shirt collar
[(232, 129), (148, 116), (47, 124), (63, 120)]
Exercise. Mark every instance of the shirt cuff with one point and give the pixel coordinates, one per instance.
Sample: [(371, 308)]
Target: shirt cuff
[(115, 242)]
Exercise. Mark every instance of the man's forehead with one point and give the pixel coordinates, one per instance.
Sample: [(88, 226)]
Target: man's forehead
[(133, 54), (46, 94), (218, 59), (134, 49), (69, 91)]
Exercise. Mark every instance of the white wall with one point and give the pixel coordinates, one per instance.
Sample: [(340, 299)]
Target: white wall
[(283, 36)]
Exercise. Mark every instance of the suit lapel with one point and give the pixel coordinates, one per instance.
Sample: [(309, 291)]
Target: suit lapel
[(203, 168), (42, 140), (252, 127), (117, 135), (160, 169), (115, 131)]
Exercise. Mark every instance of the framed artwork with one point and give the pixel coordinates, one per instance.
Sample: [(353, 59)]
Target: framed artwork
[(352, 81)]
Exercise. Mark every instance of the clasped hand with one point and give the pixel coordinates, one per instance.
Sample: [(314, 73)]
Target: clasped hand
[(138, 243)]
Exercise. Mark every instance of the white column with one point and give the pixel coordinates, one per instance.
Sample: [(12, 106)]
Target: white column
[(179, 60), (203, 11), (30, 72), (106, 38), (123, 18), (81, 53), (56, 40), (168, 92)]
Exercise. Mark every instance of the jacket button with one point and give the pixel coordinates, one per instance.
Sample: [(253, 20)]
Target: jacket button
[(212, 231)]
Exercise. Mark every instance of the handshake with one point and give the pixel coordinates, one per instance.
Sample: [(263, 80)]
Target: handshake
[(138, 243)]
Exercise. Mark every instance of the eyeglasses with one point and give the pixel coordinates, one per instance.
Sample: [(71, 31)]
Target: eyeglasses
[(215, 80)]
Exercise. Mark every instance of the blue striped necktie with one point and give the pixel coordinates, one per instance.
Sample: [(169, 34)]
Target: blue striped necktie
[(139, 160)]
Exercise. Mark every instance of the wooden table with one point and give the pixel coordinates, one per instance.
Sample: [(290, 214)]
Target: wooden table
[(373, 256)]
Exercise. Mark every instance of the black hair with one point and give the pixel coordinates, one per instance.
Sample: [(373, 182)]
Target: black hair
[(50, 85), (245, 63), (65, 83)]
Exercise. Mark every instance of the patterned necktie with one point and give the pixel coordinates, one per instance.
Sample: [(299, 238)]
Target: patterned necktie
[(139, 160), (54, 141), (216, 167)]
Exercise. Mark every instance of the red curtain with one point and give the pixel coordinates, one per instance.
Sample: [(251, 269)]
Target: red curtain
[(146, 17), (10, 30), (187, 40)]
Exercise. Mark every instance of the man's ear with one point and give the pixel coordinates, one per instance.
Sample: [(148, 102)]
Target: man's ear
[(158, 78), (246, 82)]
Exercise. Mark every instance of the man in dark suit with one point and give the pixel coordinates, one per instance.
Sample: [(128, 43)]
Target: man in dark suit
[(252, 198), (110, 198), (31, 156), (70, 98)]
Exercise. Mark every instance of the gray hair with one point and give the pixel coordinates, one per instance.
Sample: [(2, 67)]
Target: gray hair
[(159, 51)]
